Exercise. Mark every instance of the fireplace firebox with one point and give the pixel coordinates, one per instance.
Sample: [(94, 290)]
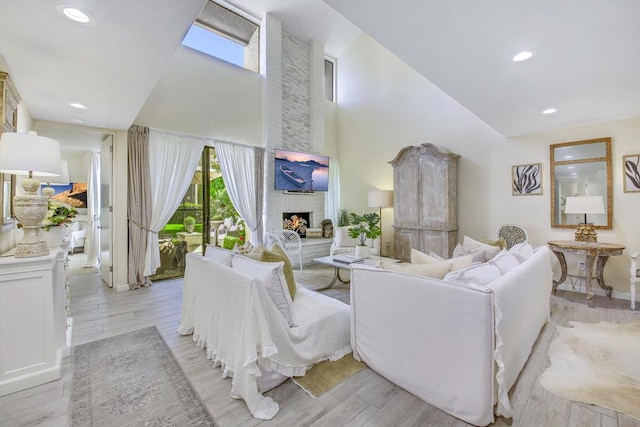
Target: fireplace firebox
[(296, 221)]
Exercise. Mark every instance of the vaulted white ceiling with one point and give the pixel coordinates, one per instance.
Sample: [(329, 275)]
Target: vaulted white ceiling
[(586, 63)]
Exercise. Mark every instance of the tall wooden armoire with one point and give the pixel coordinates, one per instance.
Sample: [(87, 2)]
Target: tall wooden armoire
[(425, 181)]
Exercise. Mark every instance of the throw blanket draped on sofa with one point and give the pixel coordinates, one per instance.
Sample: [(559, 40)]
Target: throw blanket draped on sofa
[(233, 317)]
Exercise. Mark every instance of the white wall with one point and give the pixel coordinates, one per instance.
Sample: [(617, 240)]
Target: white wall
[(383, 106), (79, 162), (532, 212), (205, 96)]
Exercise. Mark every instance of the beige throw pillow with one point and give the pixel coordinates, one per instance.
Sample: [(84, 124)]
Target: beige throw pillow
[(278, 254), (435, 270), (472, 245), (457, 263)]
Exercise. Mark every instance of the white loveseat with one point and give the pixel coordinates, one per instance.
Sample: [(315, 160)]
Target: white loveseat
[(233, 316), (459, 347)]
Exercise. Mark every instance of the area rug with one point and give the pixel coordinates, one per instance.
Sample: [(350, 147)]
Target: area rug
[(597, 363), (132, 379), (327, 374)]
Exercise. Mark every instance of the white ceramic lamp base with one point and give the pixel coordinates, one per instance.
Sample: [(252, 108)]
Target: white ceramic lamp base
[(31, 211)]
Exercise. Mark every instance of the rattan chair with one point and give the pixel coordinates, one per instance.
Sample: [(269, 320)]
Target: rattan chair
[(288, 240), (512, 234)]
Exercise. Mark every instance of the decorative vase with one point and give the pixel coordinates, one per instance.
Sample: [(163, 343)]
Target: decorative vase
[(362, 251)]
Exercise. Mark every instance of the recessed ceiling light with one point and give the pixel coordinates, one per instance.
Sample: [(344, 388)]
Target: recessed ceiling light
[(568, 157), (79, 121), (75, 14), (522, 56), (549, 111), (78, 105), (571, 167)]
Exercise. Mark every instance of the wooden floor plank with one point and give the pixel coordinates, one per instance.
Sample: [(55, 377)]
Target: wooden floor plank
[(366, 399)]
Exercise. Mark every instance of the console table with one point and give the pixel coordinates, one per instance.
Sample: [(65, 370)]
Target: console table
[(35, 328), (593, 251)]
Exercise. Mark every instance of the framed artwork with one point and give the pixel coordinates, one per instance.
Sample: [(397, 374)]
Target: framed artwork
[(526, 180), (74, 194), (631, 168)]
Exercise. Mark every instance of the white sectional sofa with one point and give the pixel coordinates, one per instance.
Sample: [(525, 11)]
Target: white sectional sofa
[(457, 346), (258, 338)]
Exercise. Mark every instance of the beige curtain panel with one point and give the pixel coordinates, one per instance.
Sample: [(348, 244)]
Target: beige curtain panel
[(139, 204)]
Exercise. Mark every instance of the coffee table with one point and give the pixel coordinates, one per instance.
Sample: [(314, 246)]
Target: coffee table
[(372, 261)]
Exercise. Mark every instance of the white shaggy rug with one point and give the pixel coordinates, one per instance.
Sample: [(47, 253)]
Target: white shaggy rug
[(597, 363)]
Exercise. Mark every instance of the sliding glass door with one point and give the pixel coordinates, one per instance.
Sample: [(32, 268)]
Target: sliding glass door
[(205, 215)]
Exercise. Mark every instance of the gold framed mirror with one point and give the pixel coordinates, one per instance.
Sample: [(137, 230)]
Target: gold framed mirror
[(581, 168)]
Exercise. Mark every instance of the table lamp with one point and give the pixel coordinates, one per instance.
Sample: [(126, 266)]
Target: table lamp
[(55, 180), (380, 199), (585, 205), (29, 154)]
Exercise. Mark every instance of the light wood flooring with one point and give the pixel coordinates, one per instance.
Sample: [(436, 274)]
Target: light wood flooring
[(366, 399)]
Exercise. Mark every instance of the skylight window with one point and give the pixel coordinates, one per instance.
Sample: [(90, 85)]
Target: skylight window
[(225, 34), (206, 41)]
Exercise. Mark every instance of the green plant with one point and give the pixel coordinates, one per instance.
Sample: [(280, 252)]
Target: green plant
[(58, 214), (343, 218), (364, 227)]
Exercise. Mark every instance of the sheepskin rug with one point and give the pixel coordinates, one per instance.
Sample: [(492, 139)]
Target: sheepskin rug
[(597, 363)]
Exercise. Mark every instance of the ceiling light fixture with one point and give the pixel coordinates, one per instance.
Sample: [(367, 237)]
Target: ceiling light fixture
[(549, 111), (78, 121), (78, 105), (75, 14), (522, 56)]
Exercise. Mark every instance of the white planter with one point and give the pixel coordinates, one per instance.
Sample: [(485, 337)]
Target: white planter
[(54, 236), (362, 251)]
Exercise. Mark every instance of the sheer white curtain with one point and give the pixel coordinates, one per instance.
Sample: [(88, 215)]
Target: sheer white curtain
[(92, 241), (242, 170), (173, 160), (332, 197)]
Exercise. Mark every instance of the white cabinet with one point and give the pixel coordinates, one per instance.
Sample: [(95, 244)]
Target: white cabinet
[(425, 181), (33, 320)]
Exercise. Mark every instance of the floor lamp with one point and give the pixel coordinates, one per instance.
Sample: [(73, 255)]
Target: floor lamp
[(30, 154), (380, 199)]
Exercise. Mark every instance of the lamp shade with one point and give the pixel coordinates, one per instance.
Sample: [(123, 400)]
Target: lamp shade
[(21, 153), (380, 199), (57, 180), (584, 205)]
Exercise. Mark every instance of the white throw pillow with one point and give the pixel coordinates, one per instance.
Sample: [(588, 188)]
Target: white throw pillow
[(481, 274), (219, 255), (435, 270), (472, 245), (505, 261), (436, 256), (342, 239), (478, 255), (522, 251), (271, 276), (457, 263)]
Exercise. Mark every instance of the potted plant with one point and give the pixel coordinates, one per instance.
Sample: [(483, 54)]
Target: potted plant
[(189, 223), (364, 227)]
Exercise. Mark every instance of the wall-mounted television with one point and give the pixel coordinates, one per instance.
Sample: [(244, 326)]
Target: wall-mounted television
[(301, 172)]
